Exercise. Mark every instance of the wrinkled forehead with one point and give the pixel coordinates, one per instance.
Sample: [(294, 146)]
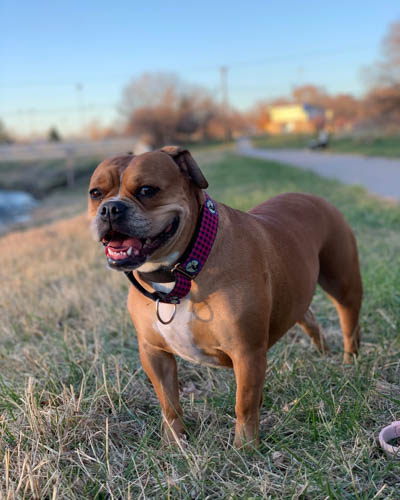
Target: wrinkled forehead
[(135, 169), (150, 166), (111, 169)]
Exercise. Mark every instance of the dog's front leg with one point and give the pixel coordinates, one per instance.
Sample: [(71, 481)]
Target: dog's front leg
[(249, 368), (160, 367)]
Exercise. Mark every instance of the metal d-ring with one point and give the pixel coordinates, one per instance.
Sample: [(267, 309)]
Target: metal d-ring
[(159, 317)]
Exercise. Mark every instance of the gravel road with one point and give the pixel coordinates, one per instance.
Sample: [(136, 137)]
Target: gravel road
[(380, 176)]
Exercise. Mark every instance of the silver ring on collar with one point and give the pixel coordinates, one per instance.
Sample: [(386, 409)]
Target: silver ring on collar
[(159, 317)]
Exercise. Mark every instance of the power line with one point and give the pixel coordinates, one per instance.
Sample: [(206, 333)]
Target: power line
[(276, 59), (222, 91), (68, 109), (288, 57), (63, 83)]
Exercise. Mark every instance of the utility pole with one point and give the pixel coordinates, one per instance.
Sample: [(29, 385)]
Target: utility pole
[(225, 103)]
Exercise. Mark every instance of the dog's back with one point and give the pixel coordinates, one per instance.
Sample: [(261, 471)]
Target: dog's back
[(306, 229)]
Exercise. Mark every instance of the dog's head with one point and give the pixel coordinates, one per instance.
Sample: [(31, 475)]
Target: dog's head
[(144, 208)]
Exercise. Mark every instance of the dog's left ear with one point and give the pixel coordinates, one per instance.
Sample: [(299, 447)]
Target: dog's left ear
[(186, 163)]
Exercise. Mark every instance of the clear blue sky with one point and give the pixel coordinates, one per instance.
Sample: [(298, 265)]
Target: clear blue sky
[(47, 48)]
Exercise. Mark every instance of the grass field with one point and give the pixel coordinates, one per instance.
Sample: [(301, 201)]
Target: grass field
[(369, 146), (79, 419)]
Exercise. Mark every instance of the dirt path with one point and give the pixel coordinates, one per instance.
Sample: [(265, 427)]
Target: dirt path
[(380, 176)]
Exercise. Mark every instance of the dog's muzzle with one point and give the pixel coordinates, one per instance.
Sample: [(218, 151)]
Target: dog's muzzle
[(124, 232)]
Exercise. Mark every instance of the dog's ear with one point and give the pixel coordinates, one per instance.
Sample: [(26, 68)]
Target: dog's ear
[(186, 163)]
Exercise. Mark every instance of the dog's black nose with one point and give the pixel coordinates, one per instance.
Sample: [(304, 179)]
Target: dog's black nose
[(112, 210)]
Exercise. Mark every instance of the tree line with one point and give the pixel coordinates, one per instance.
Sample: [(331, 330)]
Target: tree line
[(160, 108)]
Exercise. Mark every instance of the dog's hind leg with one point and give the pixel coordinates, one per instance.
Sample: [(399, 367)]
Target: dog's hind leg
[(341, 279), (348, 309), (310, 325)]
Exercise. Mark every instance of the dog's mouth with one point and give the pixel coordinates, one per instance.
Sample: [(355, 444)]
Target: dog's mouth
[(125, 252)]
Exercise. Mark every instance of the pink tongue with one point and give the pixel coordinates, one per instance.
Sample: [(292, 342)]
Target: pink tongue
[(129, 242)]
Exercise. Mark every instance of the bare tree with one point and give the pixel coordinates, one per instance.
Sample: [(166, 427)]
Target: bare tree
[(389, 67), (382, 103), (150, 90), (165, 109)]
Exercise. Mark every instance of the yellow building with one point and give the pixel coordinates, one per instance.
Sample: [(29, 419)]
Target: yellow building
[(294, 118)]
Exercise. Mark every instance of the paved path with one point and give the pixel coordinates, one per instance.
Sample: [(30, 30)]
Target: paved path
[(380, 176)]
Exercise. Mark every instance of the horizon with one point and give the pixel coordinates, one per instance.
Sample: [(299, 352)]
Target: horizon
[(53, 74)]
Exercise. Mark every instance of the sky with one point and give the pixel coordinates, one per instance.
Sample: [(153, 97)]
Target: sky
[(65, 64)]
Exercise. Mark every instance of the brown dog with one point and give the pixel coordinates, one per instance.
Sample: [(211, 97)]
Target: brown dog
[(258, 280)]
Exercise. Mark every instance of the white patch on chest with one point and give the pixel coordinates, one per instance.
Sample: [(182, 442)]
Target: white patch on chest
[(178, 334), (153, 265)]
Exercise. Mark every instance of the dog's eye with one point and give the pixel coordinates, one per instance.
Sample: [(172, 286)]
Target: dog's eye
[(147, 191), (95, 194)]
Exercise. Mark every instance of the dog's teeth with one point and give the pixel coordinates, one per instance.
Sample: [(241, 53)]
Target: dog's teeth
[(148, 241), (129, 252), (135, 251)]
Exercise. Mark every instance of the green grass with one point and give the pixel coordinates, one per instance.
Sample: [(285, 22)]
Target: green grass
[(79, 419), (369, 146)]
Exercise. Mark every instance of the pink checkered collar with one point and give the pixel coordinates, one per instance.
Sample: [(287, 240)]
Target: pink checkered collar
[(193, 259)]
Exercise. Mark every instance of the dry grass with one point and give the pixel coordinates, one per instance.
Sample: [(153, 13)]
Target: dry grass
[(79, 419)]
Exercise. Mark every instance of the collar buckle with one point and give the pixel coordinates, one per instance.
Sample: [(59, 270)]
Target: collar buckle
[(178, 269)]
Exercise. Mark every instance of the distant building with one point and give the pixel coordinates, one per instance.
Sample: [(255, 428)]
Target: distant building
[(295, 118)]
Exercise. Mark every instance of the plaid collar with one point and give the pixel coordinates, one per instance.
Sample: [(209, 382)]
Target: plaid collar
[(192, 260)]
